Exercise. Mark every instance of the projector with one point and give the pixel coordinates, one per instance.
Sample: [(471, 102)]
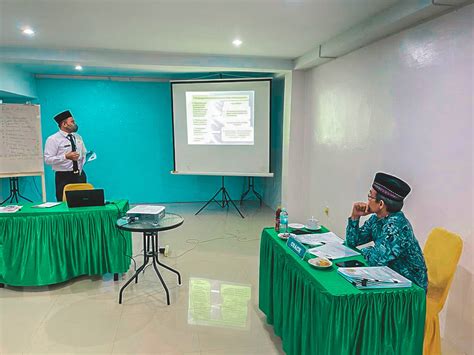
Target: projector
[(146, 213)]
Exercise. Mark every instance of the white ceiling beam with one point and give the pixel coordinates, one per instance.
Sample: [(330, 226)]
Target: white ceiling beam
[(395, 19), (153, 61)]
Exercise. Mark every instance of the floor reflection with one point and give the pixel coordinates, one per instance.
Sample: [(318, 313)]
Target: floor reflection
[(218, 303)]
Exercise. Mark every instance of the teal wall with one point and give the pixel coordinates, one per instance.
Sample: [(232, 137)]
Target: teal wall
[(129, 126)]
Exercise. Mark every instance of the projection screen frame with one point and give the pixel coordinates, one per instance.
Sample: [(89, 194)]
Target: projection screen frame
[(209, 173)]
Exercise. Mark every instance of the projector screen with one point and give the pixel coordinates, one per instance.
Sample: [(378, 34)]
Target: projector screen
[(222, 127)]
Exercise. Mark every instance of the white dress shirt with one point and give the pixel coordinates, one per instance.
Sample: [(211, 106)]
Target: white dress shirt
[(56, 147)]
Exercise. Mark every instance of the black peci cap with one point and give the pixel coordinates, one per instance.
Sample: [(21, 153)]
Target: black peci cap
[(62, 116), (391, 187)]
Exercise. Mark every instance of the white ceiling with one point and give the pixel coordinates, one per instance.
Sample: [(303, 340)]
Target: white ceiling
[(269, 28)]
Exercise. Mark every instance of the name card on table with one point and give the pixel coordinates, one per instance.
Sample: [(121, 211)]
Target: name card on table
[(298, 248)]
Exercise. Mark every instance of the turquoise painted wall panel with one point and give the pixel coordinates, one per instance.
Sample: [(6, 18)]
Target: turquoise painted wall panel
[(129, 126)]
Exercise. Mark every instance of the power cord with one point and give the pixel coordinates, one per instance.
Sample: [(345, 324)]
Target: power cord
[(125, 248), (120, 214), (194, 241), (197, 242)]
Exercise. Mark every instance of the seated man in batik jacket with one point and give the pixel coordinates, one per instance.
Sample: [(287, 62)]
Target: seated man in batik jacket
[(395, 244)]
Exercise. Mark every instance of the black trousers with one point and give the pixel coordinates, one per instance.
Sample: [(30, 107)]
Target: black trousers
[(67, 177)]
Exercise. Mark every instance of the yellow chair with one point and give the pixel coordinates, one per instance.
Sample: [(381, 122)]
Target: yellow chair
[(442, 251), (72, 187)]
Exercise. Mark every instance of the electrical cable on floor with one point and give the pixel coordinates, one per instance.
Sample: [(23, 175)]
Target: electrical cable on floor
[(197, 242)]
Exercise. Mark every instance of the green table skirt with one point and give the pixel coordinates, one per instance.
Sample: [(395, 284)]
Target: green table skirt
[(319, 312), (47, 246)]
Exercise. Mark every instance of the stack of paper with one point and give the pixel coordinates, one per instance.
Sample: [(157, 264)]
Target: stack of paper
[(308, 239), (10, 209), (333, 251), (374, 277), (48, 204), (319, 238)]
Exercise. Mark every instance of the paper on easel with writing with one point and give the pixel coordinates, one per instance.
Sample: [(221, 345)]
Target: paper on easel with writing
[(333, 251)]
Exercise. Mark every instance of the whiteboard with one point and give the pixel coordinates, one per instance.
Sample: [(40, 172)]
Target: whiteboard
[(21, 149)]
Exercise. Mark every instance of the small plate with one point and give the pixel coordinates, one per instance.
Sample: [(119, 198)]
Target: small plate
[(320, 263), (285, 236), (296, 225), (313, 229)]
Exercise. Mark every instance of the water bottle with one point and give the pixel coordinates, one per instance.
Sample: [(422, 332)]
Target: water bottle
[(284, 221)]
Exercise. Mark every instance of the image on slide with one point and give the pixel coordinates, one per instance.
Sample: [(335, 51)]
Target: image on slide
[(220, 117)]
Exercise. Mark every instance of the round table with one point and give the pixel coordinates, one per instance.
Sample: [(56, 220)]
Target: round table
[(151, 249)]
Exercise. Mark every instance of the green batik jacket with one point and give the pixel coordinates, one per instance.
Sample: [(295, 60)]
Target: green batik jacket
[(395, 245)]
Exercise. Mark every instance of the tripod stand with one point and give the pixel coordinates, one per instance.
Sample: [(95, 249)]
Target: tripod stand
[(251, 180), (225, 200), (14, 191)]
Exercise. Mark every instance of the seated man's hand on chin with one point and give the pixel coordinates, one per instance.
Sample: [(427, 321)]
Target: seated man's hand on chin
[(360, 209)]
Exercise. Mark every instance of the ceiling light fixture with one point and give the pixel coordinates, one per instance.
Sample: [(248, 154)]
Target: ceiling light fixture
[(237, 42), (28, 31), (78, 67)]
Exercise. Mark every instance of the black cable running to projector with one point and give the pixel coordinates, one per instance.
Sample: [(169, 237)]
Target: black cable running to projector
[(120, 214)]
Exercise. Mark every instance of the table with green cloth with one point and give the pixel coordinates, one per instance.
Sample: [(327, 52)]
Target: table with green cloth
[(319, 312), (44, 246)]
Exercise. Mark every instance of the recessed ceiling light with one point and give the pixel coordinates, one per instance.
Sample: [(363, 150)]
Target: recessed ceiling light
[(28, 31), (237, 42), (78, 67)]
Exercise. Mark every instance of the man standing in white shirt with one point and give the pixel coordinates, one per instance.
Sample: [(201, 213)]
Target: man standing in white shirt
[(66, 153)]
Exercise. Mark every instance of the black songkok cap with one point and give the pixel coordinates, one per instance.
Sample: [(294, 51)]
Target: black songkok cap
[(62, 116), (390, 187)]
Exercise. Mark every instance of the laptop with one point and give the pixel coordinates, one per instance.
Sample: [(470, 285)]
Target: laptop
[(85, 198)]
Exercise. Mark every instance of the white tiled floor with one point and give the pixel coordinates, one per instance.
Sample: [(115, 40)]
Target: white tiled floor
[(83, 315)]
